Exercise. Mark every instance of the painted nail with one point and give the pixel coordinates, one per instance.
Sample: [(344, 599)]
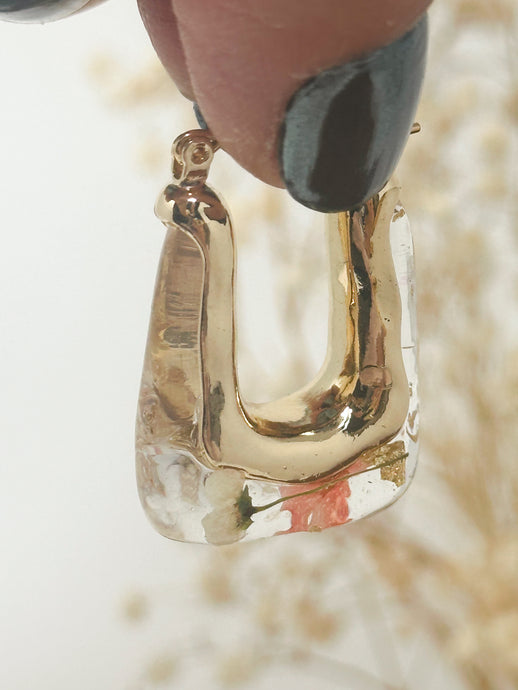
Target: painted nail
[(38, 11), (199, 117), (344, 130)]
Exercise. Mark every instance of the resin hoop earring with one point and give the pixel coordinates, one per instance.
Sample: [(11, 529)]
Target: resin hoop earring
[(214, 468)]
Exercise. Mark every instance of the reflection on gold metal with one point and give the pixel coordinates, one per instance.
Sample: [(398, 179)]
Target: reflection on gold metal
[(190, 397)]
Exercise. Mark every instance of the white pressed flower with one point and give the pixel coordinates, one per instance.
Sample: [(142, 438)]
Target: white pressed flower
[(224, 486), (233, 509), (224, 525)]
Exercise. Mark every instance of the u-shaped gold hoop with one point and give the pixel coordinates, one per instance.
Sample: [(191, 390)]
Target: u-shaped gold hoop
[(190, 397)]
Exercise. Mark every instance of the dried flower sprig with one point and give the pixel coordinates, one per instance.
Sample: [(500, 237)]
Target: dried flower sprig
[(233, 508)]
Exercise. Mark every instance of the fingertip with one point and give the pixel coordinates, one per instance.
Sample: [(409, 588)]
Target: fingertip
[(345, 130), (243, 61), (160, 22)]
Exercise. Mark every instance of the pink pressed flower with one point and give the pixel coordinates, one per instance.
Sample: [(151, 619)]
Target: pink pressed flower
[(319, 510)]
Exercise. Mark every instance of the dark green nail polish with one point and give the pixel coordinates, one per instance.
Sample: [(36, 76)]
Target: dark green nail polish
[(345, 129), (199, 116), (38, 10)]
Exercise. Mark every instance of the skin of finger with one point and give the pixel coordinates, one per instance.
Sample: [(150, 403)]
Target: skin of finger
[(160, 21), (244, 59)]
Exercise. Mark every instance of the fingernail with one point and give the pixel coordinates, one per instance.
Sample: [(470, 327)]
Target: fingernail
[(199, 117), (38, 11), (344, 130)]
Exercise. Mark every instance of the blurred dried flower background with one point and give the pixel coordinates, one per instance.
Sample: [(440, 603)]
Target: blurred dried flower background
[(424, 595)]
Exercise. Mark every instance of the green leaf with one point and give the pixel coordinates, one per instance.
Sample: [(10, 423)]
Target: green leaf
[(245, 507)]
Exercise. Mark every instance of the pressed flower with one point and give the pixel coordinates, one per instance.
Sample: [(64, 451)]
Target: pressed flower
[(224, 486), (312, 512), (233, 508), (224, 526)]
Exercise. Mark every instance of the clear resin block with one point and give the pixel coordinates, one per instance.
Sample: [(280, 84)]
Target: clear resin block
[(213, 468)]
